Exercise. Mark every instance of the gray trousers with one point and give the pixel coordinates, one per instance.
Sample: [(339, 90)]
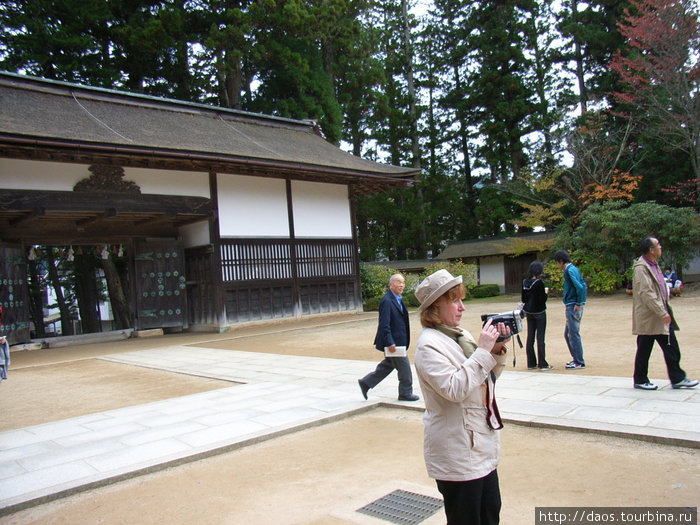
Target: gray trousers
[(385, 367)]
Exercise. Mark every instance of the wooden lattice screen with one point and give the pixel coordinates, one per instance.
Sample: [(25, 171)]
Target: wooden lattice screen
[(263, 259), (271, 278)]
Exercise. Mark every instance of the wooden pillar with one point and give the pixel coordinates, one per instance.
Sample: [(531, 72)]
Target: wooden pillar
[(355, 250), (296, 286), (215, 239)]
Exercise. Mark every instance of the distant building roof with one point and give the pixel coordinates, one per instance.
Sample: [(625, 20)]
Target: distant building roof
[(417, 265), (493, 246), (48, 120)]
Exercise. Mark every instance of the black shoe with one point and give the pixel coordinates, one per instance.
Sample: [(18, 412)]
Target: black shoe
[(363, 387), (409, 397)]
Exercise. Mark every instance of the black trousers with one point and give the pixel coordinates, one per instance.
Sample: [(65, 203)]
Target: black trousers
[(474, 502), (672, 356), (536, 326)]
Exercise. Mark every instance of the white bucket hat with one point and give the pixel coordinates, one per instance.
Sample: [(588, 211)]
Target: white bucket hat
[(433, 286)]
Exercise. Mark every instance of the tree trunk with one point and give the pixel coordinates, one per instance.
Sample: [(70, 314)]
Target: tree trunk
[(87, 294), (117, 298), (66, 318), (234, 79), (36, 303), (583, 93)]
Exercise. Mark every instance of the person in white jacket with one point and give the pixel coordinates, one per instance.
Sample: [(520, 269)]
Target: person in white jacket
[(457, 376)]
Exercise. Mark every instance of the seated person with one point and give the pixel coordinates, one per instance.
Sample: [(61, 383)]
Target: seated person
[(673, 283)]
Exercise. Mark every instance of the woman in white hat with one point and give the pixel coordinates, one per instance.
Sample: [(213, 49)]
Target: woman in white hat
[(457, 376)]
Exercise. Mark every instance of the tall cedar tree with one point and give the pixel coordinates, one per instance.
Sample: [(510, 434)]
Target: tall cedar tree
[(591, 37), (503, 99), (290, 64), (448, 211), (392, 219), (59, 40), (448, 33)]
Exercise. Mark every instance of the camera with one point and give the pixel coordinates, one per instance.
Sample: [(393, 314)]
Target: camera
[(512, 319)]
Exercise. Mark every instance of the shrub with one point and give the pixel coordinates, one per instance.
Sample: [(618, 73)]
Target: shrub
[(601, 275), (371, 304), (553, 277), (374, 280), (409, 298), (485, 290)]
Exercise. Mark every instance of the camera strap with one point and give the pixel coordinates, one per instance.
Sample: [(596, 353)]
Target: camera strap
[(493, 415)]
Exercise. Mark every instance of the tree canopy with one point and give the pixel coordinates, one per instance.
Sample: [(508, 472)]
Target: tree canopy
[(520, 114)]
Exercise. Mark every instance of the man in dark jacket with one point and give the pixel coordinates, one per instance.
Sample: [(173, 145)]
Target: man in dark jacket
[(393, 337)]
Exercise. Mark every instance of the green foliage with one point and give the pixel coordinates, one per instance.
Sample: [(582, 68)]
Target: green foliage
[(601, 276), (375, 280), (485, 290), (371, 304), (410, 299), (606, 242), (484, 126), (553, 277), (611, 232)]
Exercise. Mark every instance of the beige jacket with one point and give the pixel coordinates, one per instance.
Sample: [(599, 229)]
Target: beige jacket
[(649, 302), (458, 444)]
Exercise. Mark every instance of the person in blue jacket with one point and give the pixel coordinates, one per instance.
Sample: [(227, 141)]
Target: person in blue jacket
[(574, 299), (392, 331)]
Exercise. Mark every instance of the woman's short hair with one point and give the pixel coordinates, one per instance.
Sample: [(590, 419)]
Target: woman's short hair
[(536, 268), (430, 317)]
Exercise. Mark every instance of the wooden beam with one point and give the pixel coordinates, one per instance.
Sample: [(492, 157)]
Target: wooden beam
[(109, 212), (36, 212), (164, 217)]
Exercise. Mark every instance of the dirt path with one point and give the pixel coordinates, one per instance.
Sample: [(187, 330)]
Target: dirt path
[(321, 475)]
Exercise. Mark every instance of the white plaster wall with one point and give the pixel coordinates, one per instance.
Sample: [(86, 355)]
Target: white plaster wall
[(491, 271), (252, 206), (58, 176), (37, 175), (196, 234), (321, 210), (692, 272), (170, 182)]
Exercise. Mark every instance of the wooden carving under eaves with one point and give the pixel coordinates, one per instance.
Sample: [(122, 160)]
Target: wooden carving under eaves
[(107, 179)]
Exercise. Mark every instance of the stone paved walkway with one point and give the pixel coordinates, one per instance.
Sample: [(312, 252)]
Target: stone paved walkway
[(276, 394)]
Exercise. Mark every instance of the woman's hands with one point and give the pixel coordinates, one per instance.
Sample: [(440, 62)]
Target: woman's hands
[(490, 334)]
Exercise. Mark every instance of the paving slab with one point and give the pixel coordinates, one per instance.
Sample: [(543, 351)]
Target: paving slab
[(275, 394)]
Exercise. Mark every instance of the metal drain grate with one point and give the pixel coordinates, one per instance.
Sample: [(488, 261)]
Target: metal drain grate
[(403, 507)]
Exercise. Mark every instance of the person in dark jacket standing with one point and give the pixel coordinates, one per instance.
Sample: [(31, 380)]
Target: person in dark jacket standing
[(392, 331), (534, 299)]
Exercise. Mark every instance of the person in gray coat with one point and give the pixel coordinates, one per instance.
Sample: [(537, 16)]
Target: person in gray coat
[(652, 319), (457, 376)]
